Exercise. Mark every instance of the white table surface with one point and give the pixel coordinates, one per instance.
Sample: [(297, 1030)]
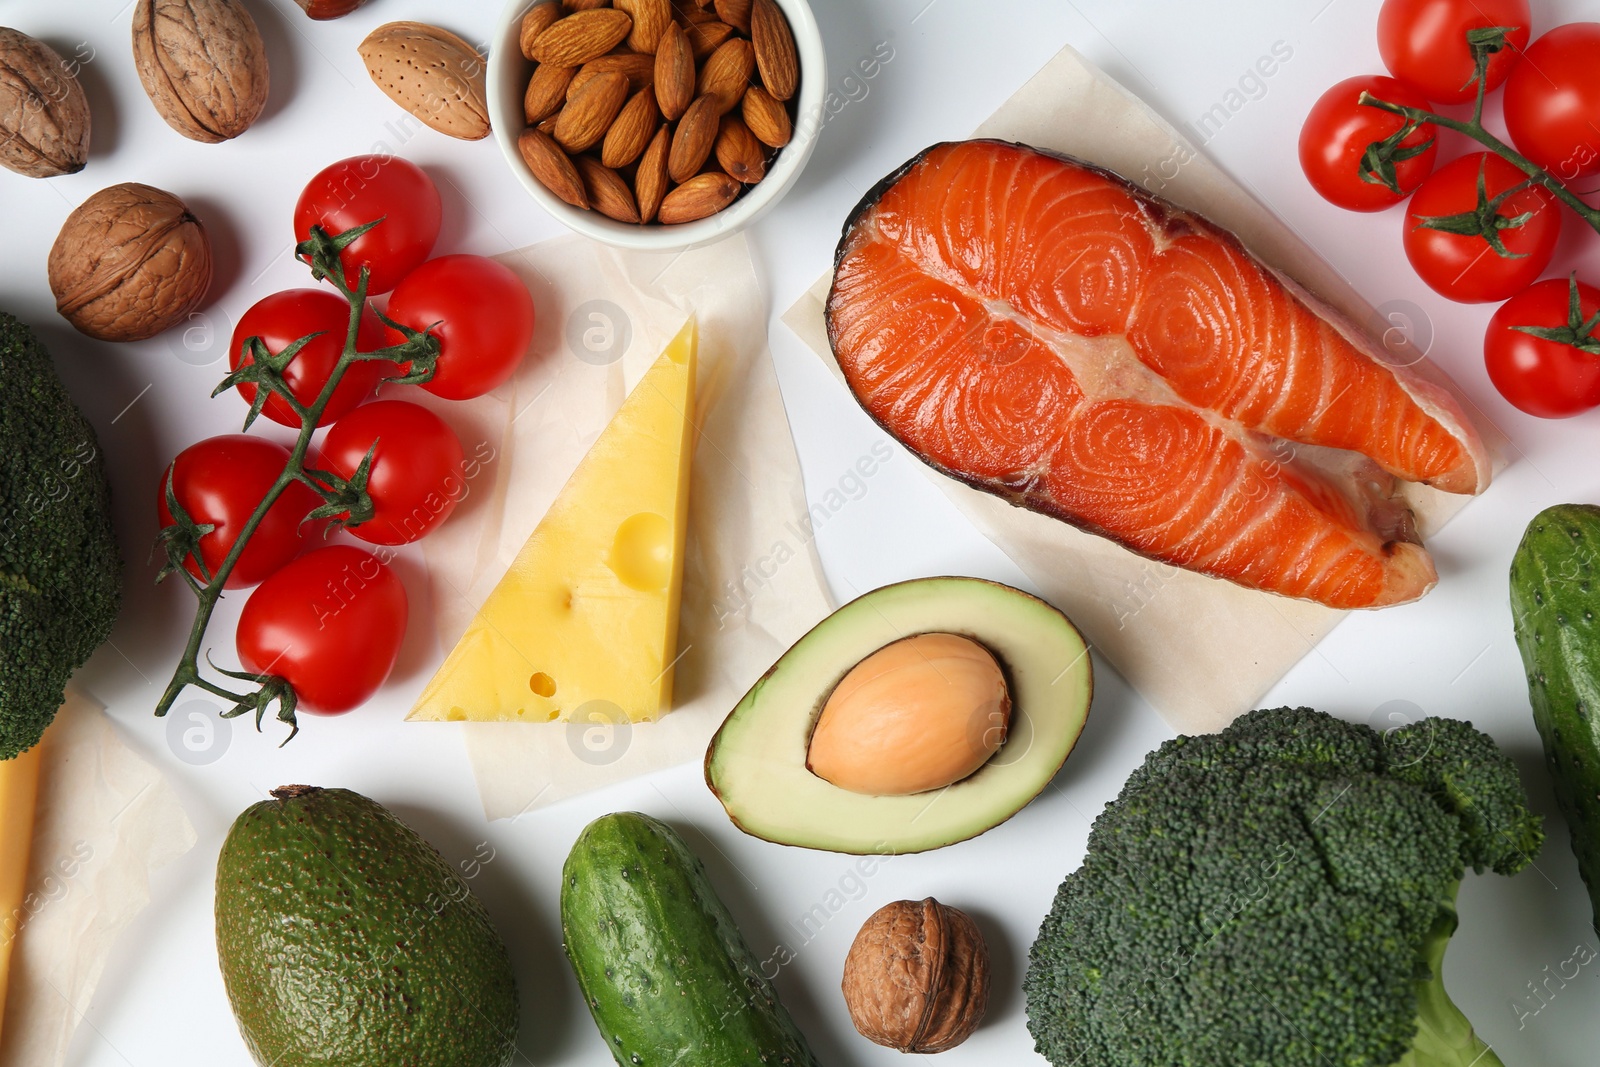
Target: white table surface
[(161, 1002)]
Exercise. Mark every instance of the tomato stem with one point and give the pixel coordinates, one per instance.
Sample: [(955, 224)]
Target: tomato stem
[(264, 369)]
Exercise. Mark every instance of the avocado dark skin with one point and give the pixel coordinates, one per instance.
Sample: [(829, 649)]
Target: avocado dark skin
[(346, 939)]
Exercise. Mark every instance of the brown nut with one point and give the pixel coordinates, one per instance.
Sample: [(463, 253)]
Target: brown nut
[(128, 263), (44, 116), (203, 64), (917, 976)]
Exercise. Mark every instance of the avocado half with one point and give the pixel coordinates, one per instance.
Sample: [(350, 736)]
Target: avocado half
[(756, 763)]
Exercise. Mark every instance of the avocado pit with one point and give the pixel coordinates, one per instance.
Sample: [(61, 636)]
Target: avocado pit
[(918, 714)]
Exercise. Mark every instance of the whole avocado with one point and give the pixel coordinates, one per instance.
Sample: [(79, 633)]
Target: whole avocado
[(345, 938), (1554, 609), (60, 572)]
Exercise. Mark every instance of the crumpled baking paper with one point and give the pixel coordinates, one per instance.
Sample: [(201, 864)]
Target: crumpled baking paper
[(106, 819), (1200, 650), (752, 581)]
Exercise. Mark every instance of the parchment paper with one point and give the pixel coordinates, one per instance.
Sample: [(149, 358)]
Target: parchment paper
[(1201, 650), (752, 581), (106, 819)]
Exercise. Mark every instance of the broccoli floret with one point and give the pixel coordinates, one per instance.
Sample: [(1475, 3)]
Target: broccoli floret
[(1280, 893), (60, 572)]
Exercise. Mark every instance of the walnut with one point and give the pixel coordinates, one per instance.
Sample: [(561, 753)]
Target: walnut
[(917, 976), (128, 263), (203, 64), (44, 116)]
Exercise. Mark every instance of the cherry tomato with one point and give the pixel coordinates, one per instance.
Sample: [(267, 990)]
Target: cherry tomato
[(1338, 131), (1464, 267), (1551, 378), (221, 481), (1424, 43), (283, 318), (357, 190), (1552, 103), (330, 623), (485, 318), (416, 475)]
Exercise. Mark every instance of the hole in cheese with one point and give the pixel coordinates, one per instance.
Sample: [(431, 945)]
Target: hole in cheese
[(641, 552), (542, 684)]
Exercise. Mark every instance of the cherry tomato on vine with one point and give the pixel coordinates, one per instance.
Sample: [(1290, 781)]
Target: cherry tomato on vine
[(1339, 130), (1552, 103), (1466, 267), (1556, 372), (221, 481), (415, 479), (330, 623), (485, 318), (360, 189), (1424, 43), (283, 318)]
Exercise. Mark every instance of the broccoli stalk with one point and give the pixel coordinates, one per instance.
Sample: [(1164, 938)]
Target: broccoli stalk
[(1445, 1037), (1279, 894)]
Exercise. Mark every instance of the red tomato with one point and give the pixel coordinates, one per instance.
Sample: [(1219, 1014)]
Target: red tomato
[(1338, 131), (416, 475), (1549, 377), (1424, 43), (1466, 268), (222, 481), (357, 190), (1552, 101), (485, 318), (283, 318), (330, 623)]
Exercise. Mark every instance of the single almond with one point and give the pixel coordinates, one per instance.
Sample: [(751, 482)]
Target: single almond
[(547, 91), (735, 13), (701, 196), (590, 111), (640, 70), (433, 74), (584, 35), (674, 73), (707, 37), (767, 118), (631, 132), (608, 193), (538, 19), (547, 125), (584, 5), (650, 21), (650, 181), (726, 73), (693, 140), (775, 54), (552, 167), (738, 151)]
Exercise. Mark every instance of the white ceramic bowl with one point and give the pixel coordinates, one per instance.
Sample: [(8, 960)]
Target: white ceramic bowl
[(508, 79)]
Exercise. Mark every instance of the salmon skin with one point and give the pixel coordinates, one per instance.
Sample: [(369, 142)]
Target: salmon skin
[(1044, 330)]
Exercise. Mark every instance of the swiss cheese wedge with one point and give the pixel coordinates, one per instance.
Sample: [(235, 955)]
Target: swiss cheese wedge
[(585, 622)]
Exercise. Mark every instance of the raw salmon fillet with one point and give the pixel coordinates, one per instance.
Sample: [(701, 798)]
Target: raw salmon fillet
[(1043, 330)]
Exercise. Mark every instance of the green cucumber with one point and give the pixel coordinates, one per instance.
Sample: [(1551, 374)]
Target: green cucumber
[(664, 970), (1556, 612)]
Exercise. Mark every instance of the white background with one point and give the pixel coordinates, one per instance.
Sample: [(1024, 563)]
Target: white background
[(161, 1003)]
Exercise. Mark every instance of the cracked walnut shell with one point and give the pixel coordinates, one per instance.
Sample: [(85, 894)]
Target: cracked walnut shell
[(128, 263), (917, 976)]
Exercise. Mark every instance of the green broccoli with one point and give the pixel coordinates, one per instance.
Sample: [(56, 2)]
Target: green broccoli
[(60, 572), (1279, 893)]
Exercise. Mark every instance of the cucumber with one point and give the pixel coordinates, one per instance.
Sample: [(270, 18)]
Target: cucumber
[(1556, 613), (664, 970)]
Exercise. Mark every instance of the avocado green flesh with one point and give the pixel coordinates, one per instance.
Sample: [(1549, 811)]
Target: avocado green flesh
[(757, 761), (666, 974), (346, 939), (1556, 614)]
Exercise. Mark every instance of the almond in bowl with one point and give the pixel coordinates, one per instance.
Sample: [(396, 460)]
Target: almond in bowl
[(657, 124)]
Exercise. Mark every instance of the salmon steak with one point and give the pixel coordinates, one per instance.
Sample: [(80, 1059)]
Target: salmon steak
[(1044, 330)]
